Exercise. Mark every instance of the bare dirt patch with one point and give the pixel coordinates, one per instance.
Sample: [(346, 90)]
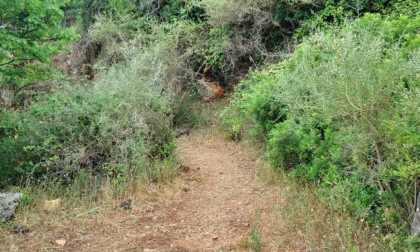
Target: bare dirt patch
[(217, 202)]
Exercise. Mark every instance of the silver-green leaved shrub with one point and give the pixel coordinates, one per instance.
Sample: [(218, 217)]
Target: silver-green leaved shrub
[(342, 112), (114, 126)]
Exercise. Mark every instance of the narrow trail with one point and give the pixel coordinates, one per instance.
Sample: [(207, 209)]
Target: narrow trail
[(217, 203), (214, 211)]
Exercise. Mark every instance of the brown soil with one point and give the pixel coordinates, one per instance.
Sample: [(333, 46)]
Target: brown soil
[(215, 208)]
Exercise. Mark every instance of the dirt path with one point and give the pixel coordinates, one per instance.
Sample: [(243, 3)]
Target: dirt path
[(218, 203), (214, 211)]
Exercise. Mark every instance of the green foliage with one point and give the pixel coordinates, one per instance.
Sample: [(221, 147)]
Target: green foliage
[(233, 34), (61, 135), (179, 10), (112, 127), (256, 244), (260, 104), (402, 29), (83, 13), (30, 33), (409, 8), (332, 12), (210, 49), (341, 112)]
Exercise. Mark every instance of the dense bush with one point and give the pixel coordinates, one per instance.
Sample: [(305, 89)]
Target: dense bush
[(342, 112), (238, 34), (111, 127), (231, 35), (84, 13), (336, 12)]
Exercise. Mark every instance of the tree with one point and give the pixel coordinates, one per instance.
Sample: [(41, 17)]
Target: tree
[(30, 32)]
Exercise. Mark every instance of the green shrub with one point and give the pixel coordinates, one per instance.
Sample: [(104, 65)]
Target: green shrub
[(328, 13), (111, 127), (341, 112), (259, 104), (233, 35), (211, 49)]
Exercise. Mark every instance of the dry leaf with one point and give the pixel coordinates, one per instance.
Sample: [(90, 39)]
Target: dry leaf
[(61, 242), (51, 205)]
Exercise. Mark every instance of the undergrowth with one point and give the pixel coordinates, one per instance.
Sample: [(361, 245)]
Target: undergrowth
[(307, 219)]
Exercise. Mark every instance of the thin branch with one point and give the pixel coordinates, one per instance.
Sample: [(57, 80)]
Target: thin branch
[(13, 60), (351, 103), (27, 32), (7, 63)]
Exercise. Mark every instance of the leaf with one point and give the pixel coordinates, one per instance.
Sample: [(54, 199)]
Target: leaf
[(61, 242)]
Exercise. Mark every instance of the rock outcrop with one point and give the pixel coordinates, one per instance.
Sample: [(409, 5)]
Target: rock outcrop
[(8, 204)]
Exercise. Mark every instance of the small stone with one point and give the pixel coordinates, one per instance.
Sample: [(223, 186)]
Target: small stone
[(155, 218), (19, 229), (147, 227), (415, 227), (61, 242), (215, 237), (181, 131), (185, 189), (126, 205)]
